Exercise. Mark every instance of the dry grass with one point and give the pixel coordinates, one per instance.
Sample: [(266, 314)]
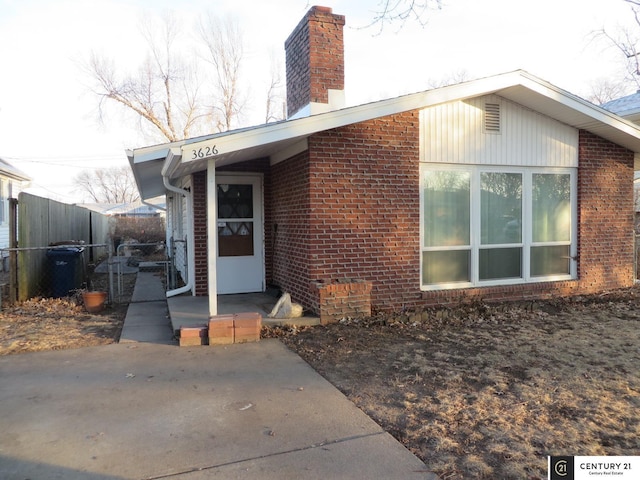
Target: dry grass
[(489, 392), (59, 323)]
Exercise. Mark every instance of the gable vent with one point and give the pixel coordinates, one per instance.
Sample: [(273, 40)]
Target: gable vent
[(492, 118)]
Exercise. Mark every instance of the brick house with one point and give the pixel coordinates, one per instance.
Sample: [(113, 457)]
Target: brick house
[(505, 187)]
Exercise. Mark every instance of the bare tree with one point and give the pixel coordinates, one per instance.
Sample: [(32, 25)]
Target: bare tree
[(276, 106), (604, 90), (402, 11), (224, 51), (108, 185), (453, 78), (627, 42), (170, 94)]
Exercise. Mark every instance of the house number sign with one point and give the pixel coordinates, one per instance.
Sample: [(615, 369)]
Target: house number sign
[(203, 152)]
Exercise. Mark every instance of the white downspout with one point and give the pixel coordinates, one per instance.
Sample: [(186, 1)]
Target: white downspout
[(190, 259)]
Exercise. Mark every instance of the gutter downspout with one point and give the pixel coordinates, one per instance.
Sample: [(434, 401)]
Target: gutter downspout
[(190, 267)]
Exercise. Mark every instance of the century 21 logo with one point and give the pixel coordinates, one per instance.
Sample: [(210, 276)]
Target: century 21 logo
[(561, 468)]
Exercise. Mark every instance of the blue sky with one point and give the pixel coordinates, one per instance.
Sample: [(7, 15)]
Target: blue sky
[(48, 122)]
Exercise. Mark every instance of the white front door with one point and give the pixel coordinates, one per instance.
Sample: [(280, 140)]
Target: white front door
[(240, 256)]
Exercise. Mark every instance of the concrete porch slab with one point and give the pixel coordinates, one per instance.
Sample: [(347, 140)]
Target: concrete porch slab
[(190, 311)]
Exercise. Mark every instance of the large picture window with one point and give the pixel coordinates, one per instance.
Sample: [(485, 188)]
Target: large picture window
[(487, 226)]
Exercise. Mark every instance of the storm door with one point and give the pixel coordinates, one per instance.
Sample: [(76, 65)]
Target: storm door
[(240, 263)]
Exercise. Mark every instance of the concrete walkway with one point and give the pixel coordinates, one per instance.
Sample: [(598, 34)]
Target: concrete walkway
[(145, 410), (147, 318)]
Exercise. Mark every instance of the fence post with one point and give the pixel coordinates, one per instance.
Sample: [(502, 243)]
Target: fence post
[(110, 269), (636, 245), (13, 254)]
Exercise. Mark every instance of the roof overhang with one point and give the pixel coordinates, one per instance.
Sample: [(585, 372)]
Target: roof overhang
[(9, 171), (277, 140)]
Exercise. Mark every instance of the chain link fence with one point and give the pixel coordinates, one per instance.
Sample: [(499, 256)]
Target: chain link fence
[(67, 268), (178, 265), (58, 270), (132, 258)]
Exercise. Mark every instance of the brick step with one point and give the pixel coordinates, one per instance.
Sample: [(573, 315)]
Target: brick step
[(223, 330)]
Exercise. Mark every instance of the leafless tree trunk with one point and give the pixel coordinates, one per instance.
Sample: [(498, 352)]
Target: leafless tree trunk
[(276, 106), (224, 51), (108, 185)]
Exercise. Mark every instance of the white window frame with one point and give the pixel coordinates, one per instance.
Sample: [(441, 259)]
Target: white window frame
[(527, 219)]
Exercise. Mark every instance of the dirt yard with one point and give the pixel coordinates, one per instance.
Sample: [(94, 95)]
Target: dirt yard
[(477, 392), (484, 392), (54, 324)]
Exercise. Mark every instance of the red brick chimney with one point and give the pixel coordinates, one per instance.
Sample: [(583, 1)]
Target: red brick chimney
[(315, 64)]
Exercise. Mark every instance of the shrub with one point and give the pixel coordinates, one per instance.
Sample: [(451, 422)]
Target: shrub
[(139, 230)]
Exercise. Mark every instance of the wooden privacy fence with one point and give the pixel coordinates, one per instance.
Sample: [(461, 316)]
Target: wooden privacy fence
[(35, 225)]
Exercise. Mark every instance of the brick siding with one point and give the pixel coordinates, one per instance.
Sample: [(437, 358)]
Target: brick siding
[(605, 215), (343, 299), (349, 208), (290, 181)]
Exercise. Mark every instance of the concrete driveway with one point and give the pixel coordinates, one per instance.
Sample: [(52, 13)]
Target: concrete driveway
[(150, 411)]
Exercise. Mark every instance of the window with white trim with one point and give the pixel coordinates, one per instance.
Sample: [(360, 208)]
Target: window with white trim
[(483, 225)]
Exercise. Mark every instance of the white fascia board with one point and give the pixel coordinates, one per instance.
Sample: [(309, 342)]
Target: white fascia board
[(171, 162), (580, 105), (211, 146), (153, 153)]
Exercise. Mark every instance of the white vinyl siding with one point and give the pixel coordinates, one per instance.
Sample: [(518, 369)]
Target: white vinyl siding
[(455, 133)]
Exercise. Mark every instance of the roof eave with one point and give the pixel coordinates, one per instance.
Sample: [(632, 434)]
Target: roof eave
[(518, 86)]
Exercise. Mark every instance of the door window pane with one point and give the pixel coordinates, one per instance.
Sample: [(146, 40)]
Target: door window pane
[(551, 199), (552, 260), (235, 201), (446, 208), (445, 266), (235, 238), (500, 208), (497, 263)]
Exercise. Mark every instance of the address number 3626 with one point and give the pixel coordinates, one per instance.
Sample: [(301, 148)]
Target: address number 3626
[(203, 152)]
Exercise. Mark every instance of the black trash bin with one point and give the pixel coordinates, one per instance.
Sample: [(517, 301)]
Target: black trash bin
[(65, 268)]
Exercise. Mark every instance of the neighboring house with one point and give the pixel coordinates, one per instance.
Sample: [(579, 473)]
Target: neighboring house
[(128, 209), (12, 182), (505, 187), (627, 107)]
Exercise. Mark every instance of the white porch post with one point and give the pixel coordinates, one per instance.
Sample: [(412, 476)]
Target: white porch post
[(212, 237)]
